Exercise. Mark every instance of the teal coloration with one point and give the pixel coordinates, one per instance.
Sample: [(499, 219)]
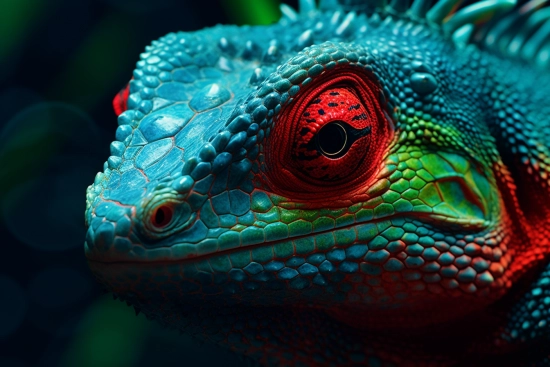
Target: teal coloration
[(153, 152), (165, 124), (189, 190), (209, 97), (423, 83)]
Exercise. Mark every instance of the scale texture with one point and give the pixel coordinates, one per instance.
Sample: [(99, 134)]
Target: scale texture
[(361, 183)]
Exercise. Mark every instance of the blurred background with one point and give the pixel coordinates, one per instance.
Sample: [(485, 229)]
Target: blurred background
[(61, 64)]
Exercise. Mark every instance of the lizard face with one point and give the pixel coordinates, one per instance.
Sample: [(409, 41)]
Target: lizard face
[(260, 167)]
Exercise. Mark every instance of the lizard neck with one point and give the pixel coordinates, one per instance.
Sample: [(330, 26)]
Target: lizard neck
[(293, 335)]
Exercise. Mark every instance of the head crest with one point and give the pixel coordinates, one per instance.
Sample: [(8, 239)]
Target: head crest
[(501, 26)]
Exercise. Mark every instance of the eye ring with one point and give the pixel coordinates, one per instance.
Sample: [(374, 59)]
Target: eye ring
[(163, 213), (296, 162), (162, 216), (325, 143)]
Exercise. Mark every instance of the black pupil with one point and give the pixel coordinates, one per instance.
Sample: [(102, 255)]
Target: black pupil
[(163, 216), (331, 139)]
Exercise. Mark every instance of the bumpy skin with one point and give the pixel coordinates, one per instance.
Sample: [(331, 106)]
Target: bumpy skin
[(424, 243)]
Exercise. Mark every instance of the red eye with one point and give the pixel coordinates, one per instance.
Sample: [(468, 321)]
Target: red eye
[(331, 125), (330, 137), (120, 102), (162, 216)]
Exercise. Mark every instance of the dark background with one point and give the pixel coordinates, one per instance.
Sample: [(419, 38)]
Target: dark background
[(61, 63)]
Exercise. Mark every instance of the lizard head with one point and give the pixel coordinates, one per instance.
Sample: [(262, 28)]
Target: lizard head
[(333, 160)]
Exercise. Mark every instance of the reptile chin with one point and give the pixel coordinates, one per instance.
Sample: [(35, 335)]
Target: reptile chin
[(375, 273)]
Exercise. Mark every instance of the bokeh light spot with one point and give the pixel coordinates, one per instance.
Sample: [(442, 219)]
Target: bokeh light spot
[(109, 334), (48, 152)]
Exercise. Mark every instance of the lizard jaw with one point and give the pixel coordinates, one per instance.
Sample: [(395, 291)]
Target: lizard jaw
[(188, 252)]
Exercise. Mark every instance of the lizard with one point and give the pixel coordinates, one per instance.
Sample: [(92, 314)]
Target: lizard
[(363, 182)]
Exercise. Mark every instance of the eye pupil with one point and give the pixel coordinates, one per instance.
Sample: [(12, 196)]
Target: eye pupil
[(332, 140), (162, 217)]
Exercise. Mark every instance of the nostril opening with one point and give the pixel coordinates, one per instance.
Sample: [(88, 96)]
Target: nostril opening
[(163, 216)]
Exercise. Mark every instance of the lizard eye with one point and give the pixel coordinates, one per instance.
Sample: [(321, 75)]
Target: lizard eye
[(162, 216), (330, 135)]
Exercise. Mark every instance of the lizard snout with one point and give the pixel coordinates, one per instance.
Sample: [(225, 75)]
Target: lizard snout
[(109, 229)]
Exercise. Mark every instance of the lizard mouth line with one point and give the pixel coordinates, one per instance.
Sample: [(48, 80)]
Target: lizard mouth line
[(465, 225)]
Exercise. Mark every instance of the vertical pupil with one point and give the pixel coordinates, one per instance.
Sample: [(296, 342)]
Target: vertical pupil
[(331, 139), (163, 216)]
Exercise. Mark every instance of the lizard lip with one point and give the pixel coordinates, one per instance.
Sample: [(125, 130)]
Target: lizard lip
[(462, 224)]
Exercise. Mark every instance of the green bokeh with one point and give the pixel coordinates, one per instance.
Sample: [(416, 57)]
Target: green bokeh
[(252, 12), (17, 17), (95, 65), (109, 335)]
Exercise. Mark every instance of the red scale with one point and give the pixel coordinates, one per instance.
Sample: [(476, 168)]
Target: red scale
[(120, 102)]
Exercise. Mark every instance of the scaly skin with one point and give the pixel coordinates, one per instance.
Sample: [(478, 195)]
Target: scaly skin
[(413, 230)]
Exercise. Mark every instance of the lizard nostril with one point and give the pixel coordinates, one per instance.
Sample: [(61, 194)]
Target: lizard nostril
[(163, 216)]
